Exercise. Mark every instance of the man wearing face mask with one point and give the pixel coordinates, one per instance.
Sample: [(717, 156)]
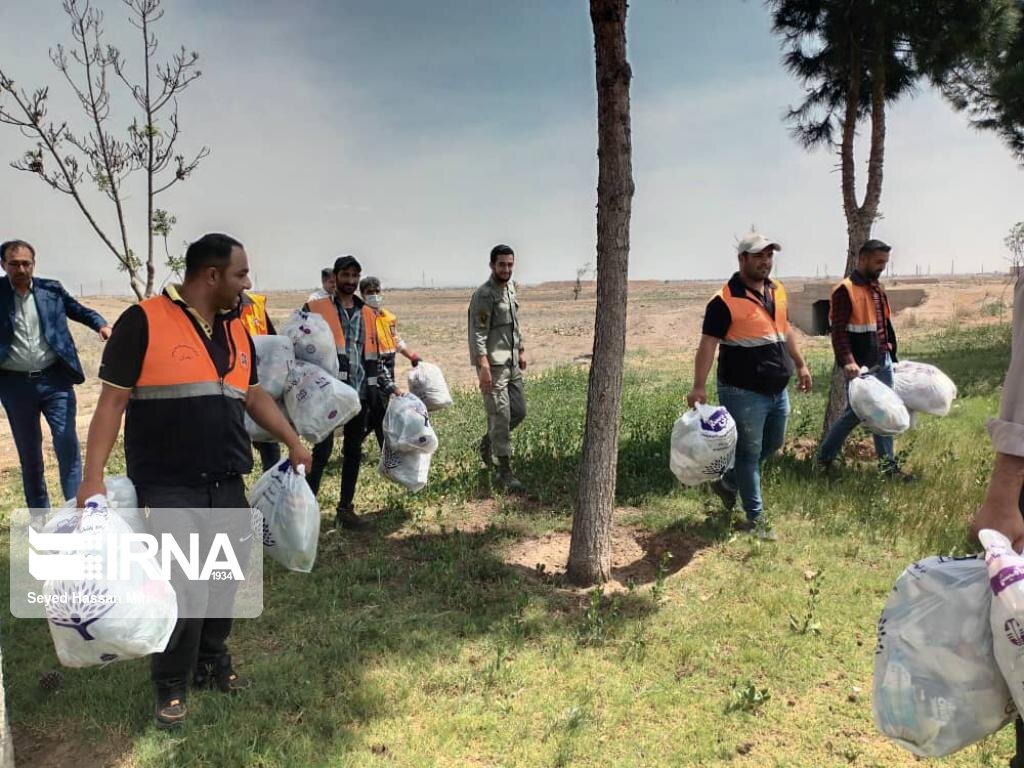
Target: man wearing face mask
[(354, 326), (497, 351), (180, 369), (749, 320), (862, 335)]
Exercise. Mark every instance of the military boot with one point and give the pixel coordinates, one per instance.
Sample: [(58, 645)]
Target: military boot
[(506, 479)]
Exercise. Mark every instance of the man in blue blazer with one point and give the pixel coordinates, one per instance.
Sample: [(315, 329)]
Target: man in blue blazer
[(38, 367)]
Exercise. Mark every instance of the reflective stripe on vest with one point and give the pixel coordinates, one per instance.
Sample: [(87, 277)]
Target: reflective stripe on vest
[(328, 310), (254, 314), (176, 363), (862, 303), (751, 325)]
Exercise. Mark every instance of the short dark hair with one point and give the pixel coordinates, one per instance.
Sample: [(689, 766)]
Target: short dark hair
[(501, 250), (345, 262), (369, 284), (325, 273), (10, 245), (211, 250), (874, 245)]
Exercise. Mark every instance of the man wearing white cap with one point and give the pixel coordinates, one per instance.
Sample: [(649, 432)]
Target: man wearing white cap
[(749, 318)]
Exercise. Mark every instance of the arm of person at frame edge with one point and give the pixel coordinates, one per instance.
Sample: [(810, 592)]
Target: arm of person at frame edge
[(103, 431), (803, 373), (702, 363)]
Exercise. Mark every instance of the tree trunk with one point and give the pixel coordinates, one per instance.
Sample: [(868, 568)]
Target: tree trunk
[(590, 548)]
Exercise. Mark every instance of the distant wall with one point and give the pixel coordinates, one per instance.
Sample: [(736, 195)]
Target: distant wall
[(808, 309)]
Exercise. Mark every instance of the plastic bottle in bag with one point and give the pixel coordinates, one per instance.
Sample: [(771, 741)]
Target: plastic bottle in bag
[(318, 403), (703, 444), (878, 407), (312, 340), (407, 425), (290, 516), (274, 358)]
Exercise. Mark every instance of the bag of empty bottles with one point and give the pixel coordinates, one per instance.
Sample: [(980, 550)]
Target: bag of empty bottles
[(318, 403), (878, 406), (427, 382), (275, 356), (290, 525), (407, 425), (937, 688), (923, 387), (312, 340), (703, 444), (96, 618)]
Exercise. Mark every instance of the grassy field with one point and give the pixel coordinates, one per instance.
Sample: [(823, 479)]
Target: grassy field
[(420, 644)]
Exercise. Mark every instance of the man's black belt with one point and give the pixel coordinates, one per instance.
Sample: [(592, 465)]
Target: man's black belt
[(32, 375)]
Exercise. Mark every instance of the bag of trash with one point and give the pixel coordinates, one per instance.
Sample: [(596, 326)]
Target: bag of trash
[(427, 382), (121, 497), (703, 444), (1006, 571), (275, 356), (937, 688), (257, 433), (312, 340), (318, 403), (290, 515), (407, 425), (407, 468), (923, 387), (878, 406), (97, 619)]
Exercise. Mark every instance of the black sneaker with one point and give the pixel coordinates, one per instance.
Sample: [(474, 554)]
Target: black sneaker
[(892, 471), (725, 493), (220, 676), (346, 517), (170, 711)]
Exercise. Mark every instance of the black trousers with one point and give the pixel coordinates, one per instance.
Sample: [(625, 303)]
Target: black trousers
[(204, 607), (353, 436), (270, 454)]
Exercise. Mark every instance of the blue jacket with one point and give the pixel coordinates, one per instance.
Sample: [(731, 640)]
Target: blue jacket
[(55, 305)]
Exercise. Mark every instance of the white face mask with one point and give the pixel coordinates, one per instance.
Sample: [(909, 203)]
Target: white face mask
[(375, 300)]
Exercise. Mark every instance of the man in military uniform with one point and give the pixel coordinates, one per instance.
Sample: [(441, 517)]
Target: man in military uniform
[(496, 350)]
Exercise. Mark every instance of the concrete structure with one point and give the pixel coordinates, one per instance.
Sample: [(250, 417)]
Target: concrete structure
[(809, 305)]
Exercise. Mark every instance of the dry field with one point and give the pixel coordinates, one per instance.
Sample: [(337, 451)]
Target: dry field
[(664, 324)]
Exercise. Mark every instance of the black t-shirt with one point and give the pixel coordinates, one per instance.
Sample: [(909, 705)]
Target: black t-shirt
[(125, 350)]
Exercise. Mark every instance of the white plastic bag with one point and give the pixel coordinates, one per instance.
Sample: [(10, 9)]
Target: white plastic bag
[(427, 382), (318, 403), (407, 425), (274, 358), (257, 433), (409, 469), (1006, 572), (120, 497), (100, 620), (312, 340), (923, 387), (291, 516), (878, 406), (703, 444), (937, 688)]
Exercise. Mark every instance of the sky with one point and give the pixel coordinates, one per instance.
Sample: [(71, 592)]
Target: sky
[(417, 135)]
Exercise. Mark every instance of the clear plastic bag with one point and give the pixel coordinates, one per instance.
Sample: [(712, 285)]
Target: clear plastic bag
[(923, 387), (1006, 578), (703, 444), (407, 425), (410, 469), (318, 403), (290, 527), (312, 340), (101, 620), (275, 356), (937, 688), (877, 406), (257, 433), (427, 382)]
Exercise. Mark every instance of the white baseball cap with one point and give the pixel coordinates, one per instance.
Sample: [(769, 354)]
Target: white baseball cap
[(755, 242)]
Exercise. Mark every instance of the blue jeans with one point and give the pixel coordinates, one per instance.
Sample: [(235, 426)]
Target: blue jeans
[(761, 429), (841, 429), (52, 395)]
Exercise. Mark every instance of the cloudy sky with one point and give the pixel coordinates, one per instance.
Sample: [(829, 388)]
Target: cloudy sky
[(418, 134)]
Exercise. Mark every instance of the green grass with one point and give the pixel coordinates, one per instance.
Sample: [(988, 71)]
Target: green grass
[(417, 645)]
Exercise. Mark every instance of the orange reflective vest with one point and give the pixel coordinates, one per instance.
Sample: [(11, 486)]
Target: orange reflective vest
[(254, 314), (752, 354), (862, 327), (176, 364), (328, 310)]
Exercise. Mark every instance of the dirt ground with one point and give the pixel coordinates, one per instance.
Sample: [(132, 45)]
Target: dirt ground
[(664, 324)]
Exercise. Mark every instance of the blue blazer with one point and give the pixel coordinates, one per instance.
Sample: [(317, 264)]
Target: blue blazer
[(55, 305)]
